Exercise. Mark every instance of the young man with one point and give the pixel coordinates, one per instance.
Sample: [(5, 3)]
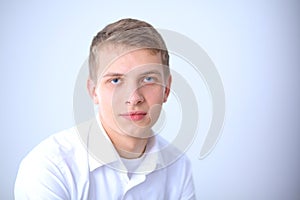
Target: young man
[(117, 155)]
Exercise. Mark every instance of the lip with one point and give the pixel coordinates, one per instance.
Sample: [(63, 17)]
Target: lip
[(134, 116)]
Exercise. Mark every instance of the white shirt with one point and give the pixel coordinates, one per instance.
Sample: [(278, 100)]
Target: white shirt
[(66, 166)]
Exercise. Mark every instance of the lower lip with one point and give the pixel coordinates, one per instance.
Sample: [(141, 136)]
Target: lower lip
[(135, 117)]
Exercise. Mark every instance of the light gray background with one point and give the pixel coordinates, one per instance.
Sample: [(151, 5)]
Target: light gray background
[(254, 45)]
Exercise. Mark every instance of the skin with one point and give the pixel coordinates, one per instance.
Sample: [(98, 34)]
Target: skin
[(130, 93)]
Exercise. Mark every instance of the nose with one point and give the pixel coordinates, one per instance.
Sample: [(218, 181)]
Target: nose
[(135, 98)]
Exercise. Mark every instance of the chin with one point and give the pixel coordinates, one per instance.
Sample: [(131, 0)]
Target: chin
[(138, 132)]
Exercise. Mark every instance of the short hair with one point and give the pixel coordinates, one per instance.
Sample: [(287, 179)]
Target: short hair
[(130, 33)]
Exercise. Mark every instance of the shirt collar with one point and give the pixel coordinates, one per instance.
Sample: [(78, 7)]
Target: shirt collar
[(102, 152), (100, 149)]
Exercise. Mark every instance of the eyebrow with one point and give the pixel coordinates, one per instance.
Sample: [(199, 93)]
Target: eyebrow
[(151, 72), (112, 74)]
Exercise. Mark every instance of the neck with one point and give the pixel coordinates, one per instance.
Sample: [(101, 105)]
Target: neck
[(127, 146), (129, 152)]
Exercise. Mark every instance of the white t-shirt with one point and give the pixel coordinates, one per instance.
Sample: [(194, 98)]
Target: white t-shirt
[(69, 166), (132, 164)]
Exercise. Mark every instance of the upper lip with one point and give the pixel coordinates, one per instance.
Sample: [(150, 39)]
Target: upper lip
[(133, 113)]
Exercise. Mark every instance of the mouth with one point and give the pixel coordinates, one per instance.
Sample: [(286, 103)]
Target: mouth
[(134, 116)]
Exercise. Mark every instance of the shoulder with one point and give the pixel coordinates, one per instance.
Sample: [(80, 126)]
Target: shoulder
[(172, 155), (62, 146), (56, 148), (52, 159), (53, 167), (178, 170)]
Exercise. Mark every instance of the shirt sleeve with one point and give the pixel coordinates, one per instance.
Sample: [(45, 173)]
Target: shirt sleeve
[(188, 186), (40, 178)]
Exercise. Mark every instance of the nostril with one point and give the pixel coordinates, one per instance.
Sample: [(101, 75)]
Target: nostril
[(135, 99)]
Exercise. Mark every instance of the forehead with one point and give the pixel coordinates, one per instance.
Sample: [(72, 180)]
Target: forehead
[(118, 60)]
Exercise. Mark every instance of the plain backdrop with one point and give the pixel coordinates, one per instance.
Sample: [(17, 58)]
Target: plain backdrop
[(254, 45)]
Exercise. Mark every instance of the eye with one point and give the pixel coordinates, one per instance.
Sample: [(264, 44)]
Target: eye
[(115, 81), (148, 79)]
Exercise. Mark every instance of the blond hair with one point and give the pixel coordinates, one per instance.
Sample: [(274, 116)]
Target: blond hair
[(130, 33)]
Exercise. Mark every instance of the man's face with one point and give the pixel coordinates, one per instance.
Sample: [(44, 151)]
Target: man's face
[(130, 92)]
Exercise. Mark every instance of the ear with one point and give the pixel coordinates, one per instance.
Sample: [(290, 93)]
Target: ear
[(91, 86), (167, 88)]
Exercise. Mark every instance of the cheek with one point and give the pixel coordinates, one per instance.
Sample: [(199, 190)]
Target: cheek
[(110, 101), (154, 94), (105, 100)]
